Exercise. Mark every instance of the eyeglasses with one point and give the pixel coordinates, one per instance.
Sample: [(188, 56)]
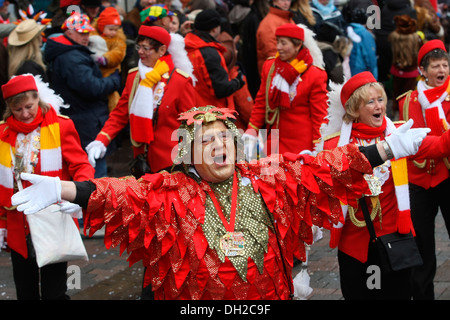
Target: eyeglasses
[(146, 49)]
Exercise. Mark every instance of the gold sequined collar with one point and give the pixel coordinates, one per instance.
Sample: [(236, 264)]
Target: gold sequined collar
[(252, 220)]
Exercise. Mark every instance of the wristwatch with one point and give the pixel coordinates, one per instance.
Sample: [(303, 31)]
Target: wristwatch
[(387, 149)]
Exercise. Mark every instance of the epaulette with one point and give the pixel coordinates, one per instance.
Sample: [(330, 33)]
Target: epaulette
[(403, 94), (133, 70), (331, 136), (183, 73), (271, 58), (399, 122), (2, 122), (63, 116)]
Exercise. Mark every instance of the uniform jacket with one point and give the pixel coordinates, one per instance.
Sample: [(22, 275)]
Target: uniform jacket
[(213, 86), (178, 97), (430, 172), (354, 241), (75, 167), (299, 125)]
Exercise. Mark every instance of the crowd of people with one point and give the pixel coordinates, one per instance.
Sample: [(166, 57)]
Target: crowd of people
[(306, 90)]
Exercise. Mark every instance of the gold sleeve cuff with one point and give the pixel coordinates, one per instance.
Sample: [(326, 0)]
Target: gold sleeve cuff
[(106, 135), (253, 126)]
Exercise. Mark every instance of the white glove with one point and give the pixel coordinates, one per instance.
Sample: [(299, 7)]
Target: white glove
[(405, 141), (250, 143), (3, 233), (95, 150), (306, 151), (71, 208), (43, 192)]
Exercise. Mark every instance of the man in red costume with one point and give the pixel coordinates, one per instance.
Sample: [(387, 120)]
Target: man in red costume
[(217, 227)]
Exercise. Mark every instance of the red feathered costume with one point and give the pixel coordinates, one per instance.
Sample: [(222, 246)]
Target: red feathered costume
[(162, 220)]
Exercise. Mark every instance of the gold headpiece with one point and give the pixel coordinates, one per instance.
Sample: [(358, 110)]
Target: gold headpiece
[(193, 119)]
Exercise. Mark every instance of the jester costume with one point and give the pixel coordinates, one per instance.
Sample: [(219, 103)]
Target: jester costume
[(179, 224)]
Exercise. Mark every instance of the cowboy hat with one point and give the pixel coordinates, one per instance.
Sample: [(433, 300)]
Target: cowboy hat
[(25, 32)]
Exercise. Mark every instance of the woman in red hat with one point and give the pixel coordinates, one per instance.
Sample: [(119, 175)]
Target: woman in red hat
[(35, 139), (162, 79), (429, 106), (291, 103), (357, 115)]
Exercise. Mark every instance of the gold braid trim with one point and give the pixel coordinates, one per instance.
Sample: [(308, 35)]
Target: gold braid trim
[(270, 120), (376, 209)]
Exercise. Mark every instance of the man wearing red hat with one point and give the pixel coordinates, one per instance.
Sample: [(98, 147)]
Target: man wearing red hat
[(429, 106), (77, 78)]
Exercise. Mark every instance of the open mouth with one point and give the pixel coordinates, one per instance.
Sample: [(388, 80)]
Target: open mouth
[(441, 78), (377, 115), (220, 159)]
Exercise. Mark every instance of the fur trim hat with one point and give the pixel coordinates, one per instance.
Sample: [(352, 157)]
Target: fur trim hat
[(405, 24)]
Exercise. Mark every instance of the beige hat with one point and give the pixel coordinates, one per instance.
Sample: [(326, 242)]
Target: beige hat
[(25, 32)]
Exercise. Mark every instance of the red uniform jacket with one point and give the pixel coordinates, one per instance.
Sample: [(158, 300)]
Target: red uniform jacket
[(431, 171), (178, 97), (354, 240), (299, 126), (75, 167)]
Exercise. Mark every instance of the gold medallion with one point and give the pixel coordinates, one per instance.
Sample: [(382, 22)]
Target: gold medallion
[(232, 244)]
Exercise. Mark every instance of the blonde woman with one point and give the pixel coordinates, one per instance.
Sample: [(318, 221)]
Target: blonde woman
[(24, 47), (303, 13)]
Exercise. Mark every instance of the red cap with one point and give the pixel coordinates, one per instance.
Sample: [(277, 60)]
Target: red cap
[(109, 16), (354, 83), (157, 33), (428, 47), (18, 84), (66, 3), (290, 30)]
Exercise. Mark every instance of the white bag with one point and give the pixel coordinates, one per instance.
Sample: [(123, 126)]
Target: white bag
[(55, 237)]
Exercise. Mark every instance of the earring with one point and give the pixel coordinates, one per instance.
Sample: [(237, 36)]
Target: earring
[(426, 80)]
